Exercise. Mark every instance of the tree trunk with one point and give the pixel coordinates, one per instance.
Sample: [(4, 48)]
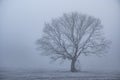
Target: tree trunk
[(73, 69)]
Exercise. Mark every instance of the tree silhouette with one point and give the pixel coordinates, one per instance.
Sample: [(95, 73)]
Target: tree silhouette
[(71, 35)]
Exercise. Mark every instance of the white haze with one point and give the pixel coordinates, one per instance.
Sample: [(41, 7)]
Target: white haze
[(22, 21)]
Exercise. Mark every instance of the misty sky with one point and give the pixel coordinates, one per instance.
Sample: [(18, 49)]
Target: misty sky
[(22, 21)]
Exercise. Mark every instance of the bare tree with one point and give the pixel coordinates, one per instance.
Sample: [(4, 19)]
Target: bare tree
[(70, 36)]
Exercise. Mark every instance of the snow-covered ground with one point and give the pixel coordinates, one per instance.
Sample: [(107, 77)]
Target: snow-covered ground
[(56, 75)]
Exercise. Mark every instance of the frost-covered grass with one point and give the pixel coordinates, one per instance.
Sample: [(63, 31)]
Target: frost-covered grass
[(56, 75)]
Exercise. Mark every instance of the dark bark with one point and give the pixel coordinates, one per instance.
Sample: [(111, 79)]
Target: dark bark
[(73, 68)]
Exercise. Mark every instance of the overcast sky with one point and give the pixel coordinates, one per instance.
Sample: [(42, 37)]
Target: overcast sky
[(22, 21)]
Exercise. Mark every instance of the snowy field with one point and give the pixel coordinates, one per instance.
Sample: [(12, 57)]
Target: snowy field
[(56, 75)]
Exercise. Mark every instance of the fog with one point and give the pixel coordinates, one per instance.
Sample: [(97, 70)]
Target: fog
[(22, 21)]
